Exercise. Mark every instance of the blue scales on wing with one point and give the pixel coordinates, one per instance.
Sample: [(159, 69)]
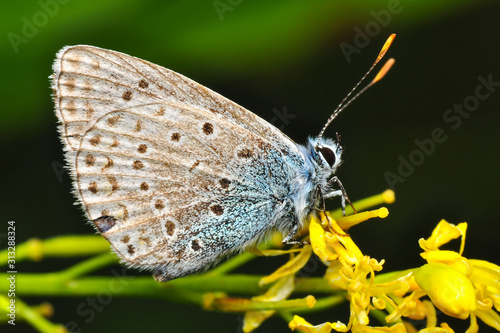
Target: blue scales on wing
[(172, 174), (183, 187)]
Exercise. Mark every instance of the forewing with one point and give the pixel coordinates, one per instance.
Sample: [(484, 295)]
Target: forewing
[(90, 82), (171, 173)]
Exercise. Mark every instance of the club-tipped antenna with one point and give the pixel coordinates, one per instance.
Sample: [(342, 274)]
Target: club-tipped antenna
[(377, 78), (388, 64)]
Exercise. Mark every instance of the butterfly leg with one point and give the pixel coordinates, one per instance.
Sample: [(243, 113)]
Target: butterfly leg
[(320, 201), (341, 192), (290, 238)]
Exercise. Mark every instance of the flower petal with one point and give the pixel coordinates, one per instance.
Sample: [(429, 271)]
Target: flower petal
[(292, 266), (301, 324), (442, 234), (449, 258), (490, 317), (318, 242)]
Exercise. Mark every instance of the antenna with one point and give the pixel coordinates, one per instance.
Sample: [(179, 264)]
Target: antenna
[(377, 78)]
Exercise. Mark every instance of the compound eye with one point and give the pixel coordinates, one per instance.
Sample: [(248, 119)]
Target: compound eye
[(328, 155)]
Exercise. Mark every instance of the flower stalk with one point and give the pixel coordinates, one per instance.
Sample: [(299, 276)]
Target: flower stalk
[(459, 287)]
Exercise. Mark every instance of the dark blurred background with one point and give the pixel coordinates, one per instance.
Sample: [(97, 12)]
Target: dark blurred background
[(290, 62)]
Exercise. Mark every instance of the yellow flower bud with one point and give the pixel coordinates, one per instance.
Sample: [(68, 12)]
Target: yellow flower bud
[(449, 289)]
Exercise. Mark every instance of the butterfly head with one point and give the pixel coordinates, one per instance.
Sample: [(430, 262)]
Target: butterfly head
[(326, 153)]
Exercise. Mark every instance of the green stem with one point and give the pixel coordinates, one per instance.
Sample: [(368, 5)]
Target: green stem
[(323, 303), (243, 304), (379, 316), (313, 285), (33, 317), (237, 261), (231, 264), (87, 266), (64, 246), (52, 284), (286, 315)]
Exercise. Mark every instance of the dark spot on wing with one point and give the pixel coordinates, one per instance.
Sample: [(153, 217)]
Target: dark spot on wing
[(137, 165), (104, 223), (144, 186), (176, 136), (113, 182), (127, 95), (285, 152), (130, 249), (125, 239), (170, 227), (94, 141), (93, 187), (224, 183), (142, 148), (245, 153), (195, 245), (143, 84), (113, 120), (208, 128), (159, 204), (217, 209), (90, 160)]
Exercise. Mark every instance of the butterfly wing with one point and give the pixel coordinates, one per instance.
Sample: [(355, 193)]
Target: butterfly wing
[(174, 175), (89, 82)]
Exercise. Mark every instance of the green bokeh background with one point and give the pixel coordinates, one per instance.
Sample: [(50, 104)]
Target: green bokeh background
[(270, 55)]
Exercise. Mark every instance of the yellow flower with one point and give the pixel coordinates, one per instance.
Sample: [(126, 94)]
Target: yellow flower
[(442, 234), (301, 324), (295, 263), (458, 286), (350, 270)]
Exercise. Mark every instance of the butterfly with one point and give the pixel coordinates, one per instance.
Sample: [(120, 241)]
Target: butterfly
[(175, 176)]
